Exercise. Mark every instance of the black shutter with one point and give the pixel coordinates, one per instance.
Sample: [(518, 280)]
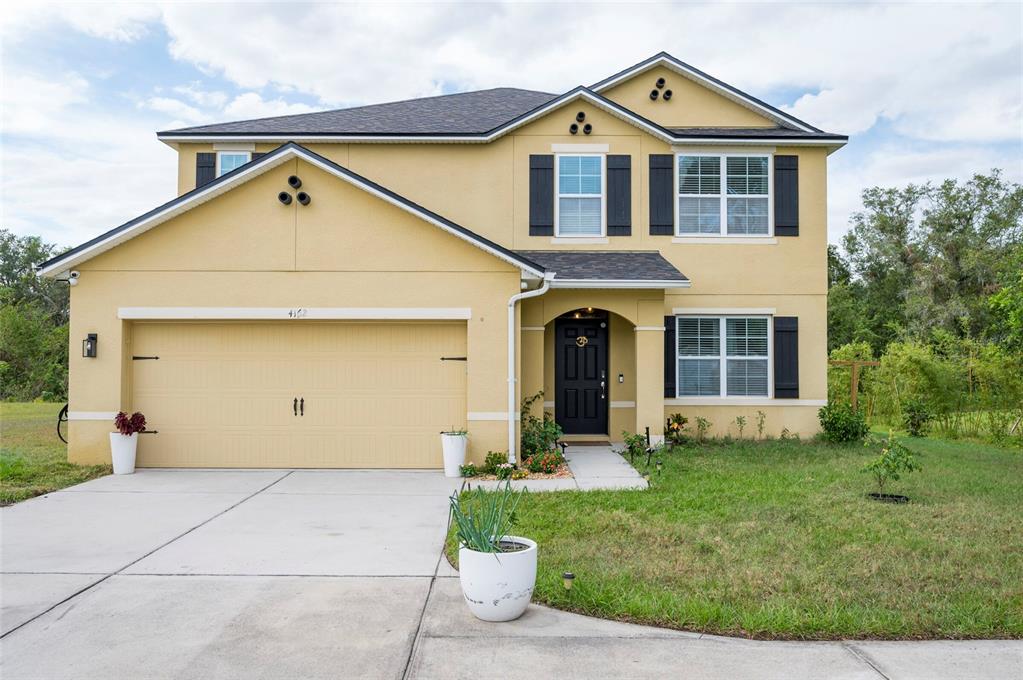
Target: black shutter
[(786, 195), (541, 195), (670, 353), (662, 199), (256, 155), (205, 168), (619, 195), (786, 357)]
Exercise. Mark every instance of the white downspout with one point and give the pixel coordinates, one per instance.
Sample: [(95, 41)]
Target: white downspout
[(544, 287)]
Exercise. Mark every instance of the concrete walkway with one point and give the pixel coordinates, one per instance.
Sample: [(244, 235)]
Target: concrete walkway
[(593, 467), (335, 574)]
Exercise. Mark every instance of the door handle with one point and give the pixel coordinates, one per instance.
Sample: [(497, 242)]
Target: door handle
[(301, 406), (294, 405), (603, 392)]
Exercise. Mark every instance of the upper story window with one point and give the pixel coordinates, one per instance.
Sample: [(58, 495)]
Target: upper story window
[(230, 160), (723, 195), (723, 356), (580, 206)]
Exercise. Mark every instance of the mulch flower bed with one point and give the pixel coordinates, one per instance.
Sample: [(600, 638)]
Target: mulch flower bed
[(561, 473)]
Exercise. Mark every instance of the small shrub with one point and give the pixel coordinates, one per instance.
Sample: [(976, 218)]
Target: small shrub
[(894, 461), (493, 459), (504, 471), (468, 470), (702, 427), (546, 463), (916, 416), (635, 444), (740, 422), (519, 474), (539, 433), (840, 423), (787, 435), (675, 429), (761, 418)]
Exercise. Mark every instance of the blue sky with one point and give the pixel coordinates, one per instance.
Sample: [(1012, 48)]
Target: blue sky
[(926, 91)]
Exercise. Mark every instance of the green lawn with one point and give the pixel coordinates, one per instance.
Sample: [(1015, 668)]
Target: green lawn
[(33, 460), (778, 540)]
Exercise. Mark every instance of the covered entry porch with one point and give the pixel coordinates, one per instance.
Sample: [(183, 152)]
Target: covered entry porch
[(598, 358)]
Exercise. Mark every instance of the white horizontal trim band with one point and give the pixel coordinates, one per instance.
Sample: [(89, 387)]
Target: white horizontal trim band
[(742, 401), (649, 328), (727, 240), (91, 415), (623, 404), (490, 415), (235, 147), (580, 148), (728, 311), (296, 313), (579, 240), (616, 283), (532, 328), (548, 404), (440, 139)]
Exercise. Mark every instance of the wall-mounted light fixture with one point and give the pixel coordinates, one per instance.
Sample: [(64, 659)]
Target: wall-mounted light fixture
[(89, 345)]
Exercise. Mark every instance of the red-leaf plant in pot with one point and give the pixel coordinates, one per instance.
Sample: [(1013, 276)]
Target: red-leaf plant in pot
[(124, 442)]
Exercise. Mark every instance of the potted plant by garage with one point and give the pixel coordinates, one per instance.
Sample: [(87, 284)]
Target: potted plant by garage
[(454, 444), (497, 571), (124, 442)]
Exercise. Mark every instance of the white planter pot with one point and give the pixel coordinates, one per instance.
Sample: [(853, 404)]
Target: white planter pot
[(498, 586), (454, 446), (122, 451)]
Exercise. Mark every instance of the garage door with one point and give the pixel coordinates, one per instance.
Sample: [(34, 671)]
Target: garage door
[(298, 394)]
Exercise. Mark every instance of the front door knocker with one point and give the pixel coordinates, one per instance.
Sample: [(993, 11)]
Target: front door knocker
[(581, 341)]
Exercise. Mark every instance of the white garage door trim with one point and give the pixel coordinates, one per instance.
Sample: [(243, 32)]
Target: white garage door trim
[(285, 313)]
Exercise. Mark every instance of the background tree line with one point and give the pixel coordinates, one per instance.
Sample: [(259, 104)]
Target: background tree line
[(33, 323), (929, 281)]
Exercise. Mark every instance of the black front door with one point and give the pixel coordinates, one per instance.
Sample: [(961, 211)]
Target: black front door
[(580, 375)]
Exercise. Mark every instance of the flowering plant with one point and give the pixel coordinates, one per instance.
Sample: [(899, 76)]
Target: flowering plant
[(129, 425), (547, 463), (504, 470)]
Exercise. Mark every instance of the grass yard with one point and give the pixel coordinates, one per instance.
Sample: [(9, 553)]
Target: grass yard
[(33, 461), (778, 540)]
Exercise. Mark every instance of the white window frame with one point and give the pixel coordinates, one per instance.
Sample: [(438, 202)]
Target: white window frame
[(723, 357), (558, 196), (220, 154), (723, 227)]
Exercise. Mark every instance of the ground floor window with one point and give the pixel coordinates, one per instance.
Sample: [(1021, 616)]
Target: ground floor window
[(723, 356)]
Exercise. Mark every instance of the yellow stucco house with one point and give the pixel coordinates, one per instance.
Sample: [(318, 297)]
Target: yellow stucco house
[(333, 289)]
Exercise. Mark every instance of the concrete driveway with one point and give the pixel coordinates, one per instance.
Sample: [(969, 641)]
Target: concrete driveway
[(334, 574)]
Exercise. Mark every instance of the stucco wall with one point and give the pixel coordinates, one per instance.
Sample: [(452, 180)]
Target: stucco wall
[(346, 249)]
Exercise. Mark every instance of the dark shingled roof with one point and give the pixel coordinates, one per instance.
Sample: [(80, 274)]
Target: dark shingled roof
[(747, 132), (605, 265), (465, 113)]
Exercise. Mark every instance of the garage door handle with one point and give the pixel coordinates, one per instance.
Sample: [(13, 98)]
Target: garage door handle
[(295, 406), (301, 406)]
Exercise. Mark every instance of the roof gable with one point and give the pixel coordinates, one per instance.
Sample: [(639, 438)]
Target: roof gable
[(665, 60), (251, 170)]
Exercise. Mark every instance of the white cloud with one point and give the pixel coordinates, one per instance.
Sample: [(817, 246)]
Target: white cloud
[(33, 104), (205, 98), (894, 165), (122, 22), (943, 77), (175, 107), (251, 105)]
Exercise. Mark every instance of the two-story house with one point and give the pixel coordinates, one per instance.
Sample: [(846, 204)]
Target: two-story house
[(333, 289)]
